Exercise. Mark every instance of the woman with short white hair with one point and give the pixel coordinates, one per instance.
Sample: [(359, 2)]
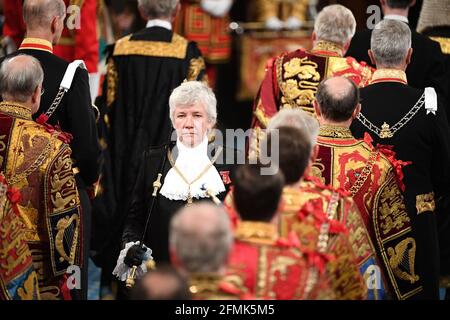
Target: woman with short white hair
[(188, 169)]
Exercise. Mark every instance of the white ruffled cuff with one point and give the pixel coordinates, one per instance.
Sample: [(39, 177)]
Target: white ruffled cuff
[(122, 271)]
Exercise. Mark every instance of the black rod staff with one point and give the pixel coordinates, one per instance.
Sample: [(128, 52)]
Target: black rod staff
[(156, 187)]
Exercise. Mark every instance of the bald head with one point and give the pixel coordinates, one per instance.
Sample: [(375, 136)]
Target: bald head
[(200, 238), (20, 77), (39, 14), (337, 99)]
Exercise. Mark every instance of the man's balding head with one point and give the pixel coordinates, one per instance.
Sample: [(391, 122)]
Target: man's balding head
[(44, 16), (20, 79), (200, 238), (337, 98)]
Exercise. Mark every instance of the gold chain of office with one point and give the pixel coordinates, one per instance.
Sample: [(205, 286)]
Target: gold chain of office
[(178, 171), (386, 131)]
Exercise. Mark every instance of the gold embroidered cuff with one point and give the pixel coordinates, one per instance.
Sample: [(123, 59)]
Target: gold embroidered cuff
[(425, 202)]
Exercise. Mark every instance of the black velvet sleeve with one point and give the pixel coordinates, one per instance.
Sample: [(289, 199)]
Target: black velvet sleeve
[(81, 123), (136, 217)]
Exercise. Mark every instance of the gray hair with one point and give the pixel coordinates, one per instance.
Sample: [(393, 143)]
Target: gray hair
[(37, 13), (158, 8), (192, 92), (20, 76), (390, 43), (335, 23), (298, 119), (201, 237)]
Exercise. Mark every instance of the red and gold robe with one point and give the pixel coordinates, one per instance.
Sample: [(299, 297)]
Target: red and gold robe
[(210, 33), (374, 178), (18, 279), (264, 266), (37, 162), (291, 81), (351, 253)]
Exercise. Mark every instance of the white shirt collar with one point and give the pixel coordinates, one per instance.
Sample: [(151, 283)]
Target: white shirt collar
[(192, 162), (396, 17), (159, 23)]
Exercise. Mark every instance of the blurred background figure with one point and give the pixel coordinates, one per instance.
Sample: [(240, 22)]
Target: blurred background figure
[(163, 283), (200, 243)]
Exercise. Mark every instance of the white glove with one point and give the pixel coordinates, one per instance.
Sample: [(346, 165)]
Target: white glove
[(273, 23), (217, 8), (293, 23), (122, 271)]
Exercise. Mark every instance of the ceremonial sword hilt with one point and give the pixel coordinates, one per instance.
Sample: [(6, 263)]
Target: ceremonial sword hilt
[(156, 185), (131, 278)]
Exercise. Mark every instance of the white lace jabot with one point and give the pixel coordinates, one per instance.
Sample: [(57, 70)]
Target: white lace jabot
[(191, 162)]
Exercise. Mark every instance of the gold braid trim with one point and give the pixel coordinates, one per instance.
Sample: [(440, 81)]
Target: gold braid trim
[(175, 49), (112, 83), (425, 202), (256, 232), (196, 65), (335, 132)]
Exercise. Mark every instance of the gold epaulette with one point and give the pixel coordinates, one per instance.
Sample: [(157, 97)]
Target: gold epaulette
[(175, 49)]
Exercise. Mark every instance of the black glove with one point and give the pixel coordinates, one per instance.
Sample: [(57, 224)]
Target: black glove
[(134, 256)]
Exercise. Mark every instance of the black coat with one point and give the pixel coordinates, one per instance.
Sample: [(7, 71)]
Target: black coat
[(74, 115), (427, 67), (425, 141), (157, 235)]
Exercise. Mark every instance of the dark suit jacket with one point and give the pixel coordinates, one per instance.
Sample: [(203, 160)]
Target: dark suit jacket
[(427, 68), (74, 115)]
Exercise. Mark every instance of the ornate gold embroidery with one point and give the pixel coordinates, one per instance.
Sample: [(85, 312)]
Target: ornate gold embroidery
[(15, 110), (2, 148), (298, 93), (328, 46), (403, 257), (207, 286), (112, 83), (196, 65), (444, 42), (62, 225), (257, 232), (262, 274), (335, 132), (365, 173), (175, 49), (30, 286), (425, 202), (389, 74), (63, 185), (36, 149), (392, 210)]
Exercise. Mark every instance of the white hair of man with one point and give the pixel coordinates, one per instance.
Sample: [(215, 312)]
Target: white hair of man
[(201, 238), (298, 119), (190, 93), (154, 9), (19, 77), (40, 13), (335, 23), (390, 43)]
